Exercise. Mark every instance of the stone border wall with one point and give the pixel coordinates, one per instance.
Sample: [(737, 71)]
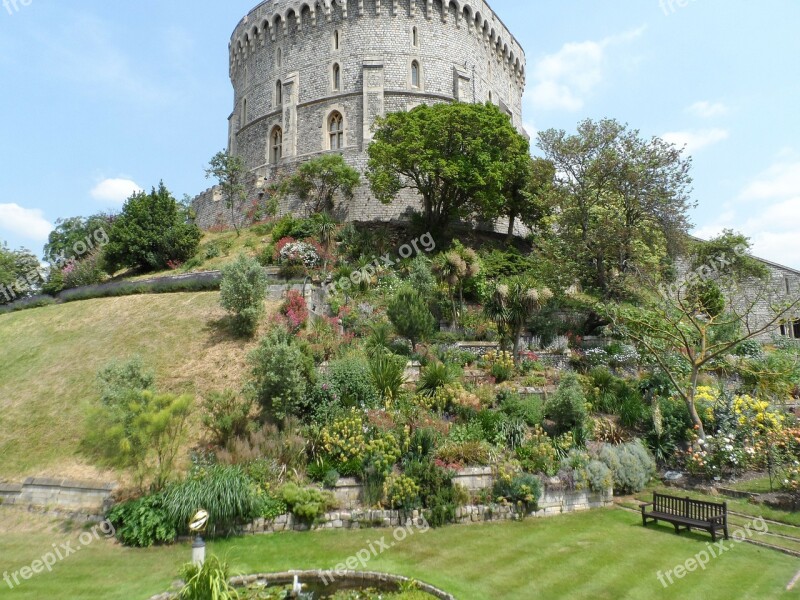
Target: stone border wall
[(64, 494), (552, 502)]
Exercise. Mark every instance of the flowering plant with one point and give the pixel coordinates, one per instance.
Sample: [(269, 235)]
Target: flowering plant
[(289, 251), (295, 311)]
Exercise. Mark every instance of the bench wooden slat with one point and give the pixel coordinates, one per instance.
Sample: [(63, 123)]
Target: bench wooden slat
[(686, 512)]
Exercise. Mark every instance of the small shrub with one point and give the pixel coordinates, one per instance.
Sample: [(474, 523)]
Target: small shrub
[(280, 375), (208, 581), (529, 409), (411, 317), (631, 466), (242, 292), (295, 310), (86, 271), (567, 407), (437, 375), (351, 380), (307, 504), (438, 495), (227, 416), (593, 475), (470, 453), (142, 523), (226, 492), (388, 374), (401, 492), (538, 455), (522, 490)]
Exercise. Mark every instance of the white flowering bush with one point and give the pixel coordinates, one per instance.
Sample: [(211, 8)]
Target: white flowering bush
[(300, 252), (597, 357), (628, 356), (718, 456)]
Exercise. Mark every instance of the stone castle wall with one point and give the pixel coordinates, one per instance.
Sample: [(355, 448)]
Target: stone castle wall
[(282, 60)]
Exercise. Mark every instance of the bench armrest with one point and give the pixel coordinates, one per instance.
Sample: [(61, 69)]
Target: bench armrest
[(717, 518), (644, 504)]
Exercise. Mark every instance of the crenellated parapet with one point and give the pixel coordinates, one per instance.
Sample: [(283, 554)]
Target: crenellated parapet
[(273, 18)]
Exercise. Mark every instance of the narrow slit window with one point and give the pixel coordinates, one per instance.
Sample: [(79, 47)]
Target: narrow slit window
[(276, 143), (337, 77), (278, 93)]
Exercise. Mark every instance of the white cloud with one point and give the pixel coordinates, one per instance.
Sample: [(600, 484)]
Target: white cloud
[(779, 181), (697, 139), (563, 81), (115, 191), (708, 110), (28, 223), (768, 212), (531, 130)]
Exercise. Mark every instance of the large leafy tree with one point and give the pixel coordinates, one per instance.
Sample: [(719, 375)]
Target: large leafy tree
[(151, 233), (458, 157), (318, 181), (622, 201), (21, 274), (75, 237), (527, 196), (688, 327), (230, 172)]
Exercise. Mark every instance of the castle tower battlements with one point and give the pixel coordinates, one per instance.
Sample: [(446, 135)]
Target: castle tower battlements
[(311, 77)]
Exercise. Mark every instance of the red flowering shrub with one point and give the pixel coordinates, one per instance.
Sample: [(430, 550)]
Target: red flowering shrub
[(295, 311)]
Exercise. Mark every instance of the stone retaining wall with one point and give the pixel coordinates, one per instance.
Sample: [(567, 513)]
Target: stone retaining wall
[(552, 502), (63, 494)]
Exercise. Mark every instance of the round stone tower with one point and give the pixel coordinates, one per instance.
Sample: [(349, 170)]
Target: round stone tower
[(311, 76)]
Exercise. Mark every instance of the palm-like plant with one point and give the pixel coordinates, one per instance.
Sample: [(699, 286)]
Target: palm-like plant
[(453, 269), (512, 304)]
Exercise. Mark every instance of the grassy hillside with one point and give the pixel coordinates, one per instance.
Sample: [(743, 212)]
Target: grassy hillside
[(49, 358)]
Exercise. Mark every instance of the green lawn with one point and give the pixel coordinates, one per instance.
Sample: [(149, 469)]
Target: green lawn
[(759, 485), (603, 554)]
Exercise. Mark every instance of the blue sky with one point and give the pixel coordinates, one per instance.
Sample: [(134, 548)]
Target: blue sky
[(99, 98)]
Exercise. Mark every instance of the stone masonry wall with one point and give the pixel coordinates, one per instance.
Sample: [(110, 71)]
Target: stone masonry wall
[(282, 59), (553, 502), (63, 494)]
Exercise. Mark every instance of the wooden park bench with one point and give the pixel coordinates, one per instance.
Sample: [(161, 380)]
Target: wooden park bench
[(687, 513)]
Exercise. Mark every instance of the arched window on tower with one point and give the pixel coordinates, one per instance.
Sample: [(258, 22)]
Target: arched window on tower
[(276, 145), (337, 77), (336, 131), (415, 76), (278, 93)]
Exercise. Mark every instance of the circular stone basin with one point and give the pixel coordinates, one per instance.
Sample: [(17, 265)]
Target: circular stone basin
[(319, 585)]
